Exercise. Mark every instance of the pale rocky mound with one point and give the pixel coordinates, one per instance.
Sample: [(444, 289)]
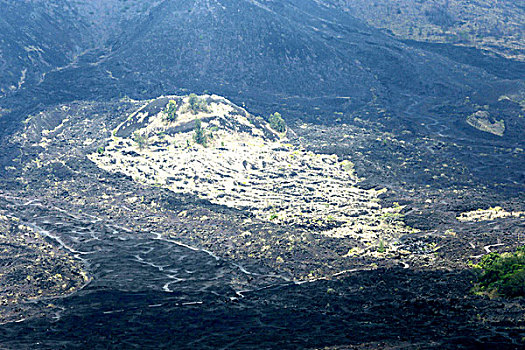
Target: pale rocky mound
[(246, 165), (482, 121)]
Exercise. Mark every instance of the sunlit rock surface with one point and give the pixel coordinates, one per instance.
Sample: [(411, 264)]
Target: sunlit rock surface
[(247, 165)]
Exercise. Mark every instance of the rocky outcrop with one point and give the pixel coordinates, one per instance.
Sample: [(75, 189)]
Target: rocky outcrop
[(483, 121), (247, 165)]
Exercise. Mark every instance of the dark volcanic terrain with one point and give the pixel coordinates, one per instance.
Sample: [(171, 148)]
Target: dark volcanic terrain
[(464, 23), (356, 227)]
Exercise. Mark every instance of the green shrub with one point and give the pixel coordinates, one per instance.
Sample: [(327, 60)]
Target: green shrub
[(199, 136), (171, 111), (277, 122), (381, 248), (503, 274), (101, 150), (197, 104), (141, 140)]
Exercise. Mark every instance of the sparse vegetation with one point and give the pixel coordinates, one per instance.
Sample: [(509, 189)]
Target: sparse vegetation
[(392, 217), (277, 122), (348, 165), (101, 150), (502, 274)]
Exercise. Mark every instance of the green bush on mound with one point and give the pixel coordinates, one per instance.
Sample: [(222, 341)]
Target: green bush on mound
[(502, 274), (199, 136), (171, 111), (197, 104), (141, 140), (277, 122)]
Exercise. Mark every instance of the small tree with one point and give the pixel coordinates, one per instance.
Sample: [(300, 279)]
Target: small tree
[(171, 111), (277, 122), (197, 104), (193, 101), (199, 136), (381, 248)]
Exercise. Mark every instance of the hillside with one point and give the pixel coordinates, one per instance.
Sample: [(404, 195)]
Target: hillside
[(312, 61), (37, 37), (270, 50), (496, 26)]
